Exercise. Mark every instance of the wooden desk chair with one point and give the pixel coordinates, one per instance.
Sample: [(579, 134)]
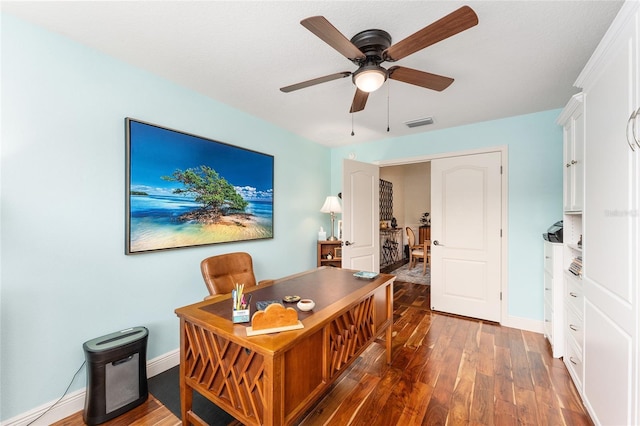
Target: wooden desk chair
[(418, 251), (221, 273)]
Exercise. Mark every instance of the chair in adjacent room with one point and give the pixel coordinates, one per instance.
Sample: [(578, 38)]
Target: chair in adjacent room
[(221, 273), (418, 251)]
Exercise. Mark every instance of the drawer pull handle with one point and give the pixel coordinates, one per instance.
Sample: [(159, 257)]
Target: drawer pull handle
[(573, 327), (572, 361), (572, 294), (632, 119)]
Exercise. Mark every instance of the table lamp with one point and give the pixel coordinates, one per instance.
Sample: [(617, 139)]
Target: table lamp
[(332, 205)]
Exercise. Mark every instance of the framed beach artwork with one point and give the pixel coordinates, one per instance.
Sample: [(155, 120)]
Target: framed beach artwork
[(184, 190)]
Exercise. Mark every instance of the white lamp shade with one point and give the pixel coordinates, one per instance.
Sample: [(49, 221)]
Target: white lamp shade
[(370, 80), (331, 205)]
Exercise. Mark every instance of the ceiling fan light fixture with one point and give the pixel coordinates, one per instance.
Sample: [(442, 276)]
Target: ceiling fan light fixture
[(370, 78)]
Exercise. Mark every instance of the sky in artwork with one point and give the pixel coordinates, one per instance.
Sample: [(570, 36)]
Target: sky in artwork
[(156, 151)]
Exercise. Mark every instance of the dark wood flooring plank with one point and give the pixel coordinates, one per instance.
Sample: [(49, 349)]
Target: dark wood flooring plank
[(352, 403), (572, 418), (324, 410), (483, 401), (486, 353), (539, 372), (375, 403), (416, 408), (519, 361), (505, 413), (419, 333), (526, 407)]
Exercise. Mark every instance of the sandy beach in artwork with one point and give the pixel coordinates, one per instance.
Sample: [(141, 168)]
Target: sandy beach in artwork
[(149, 235)]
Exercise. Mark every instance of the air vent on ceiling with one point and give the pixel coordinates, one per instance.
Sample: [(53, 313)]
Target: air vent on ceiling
[(419, 122)]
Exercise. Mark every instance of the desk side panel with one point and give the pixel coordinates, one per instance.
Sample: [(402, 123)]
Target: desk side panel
[(383, 297), (230, 375), (303, 373)]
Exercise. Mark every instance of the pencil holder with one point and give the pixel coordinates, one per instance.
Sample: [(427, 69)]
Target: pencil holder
[(241, 315)]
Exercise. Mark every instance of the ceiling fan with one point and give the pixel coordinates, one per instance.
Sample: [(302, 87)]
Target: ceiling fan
[(369, 48)]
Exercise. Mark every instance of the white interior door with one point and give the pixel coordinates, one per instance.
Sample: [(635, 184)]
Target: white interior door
[(465, 233), (360, 216)]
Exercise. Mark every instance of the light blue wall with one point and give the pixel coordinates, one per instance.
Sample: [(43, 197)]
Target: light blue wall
[(64, 276), (535, 186)]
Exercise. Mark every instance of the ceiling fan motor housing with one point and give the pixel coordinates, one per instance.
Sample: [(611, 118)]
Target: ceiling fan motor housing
[(372, 43)]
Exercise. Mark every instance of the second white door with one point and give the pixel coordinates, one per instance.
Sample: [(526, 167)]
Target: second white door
[(466, 235), (361, 216)]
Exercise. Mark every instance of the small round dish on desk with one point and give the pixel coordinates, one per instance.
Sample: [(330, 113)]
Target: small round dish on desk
[(306, 304)]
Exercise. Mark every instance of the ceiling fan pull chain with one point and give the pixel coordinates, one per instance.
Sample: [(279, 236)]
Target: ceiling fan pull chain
[(388, 90), (352, 133)]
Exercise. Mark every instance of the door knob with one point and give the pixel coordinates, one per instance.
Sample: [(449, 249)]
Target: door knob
[(436, 243), (348, 243)]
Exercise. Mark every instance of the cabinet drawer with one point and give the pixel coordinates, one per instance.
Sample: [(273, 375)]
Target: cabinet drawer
[(574, 295), (548, 288), (548, 258), (573, 361), (548, 322), (574, 327)]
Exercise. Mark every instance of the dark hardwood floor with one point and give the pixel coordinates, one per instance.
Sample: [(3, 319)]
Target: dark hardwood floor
[(446, 370)]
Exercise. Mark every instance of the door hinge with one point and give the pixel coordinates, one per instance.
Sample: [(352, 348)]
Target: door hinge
[(500, 169), (500, 295), (500, 232)]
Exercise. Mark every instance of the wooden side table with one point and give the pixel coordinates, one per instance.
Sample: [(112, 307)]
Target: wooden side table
[(329, 247)]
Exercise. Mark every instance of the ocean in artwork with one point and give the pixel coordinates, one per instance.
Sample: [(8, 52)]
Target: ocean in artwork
[(155, 223)]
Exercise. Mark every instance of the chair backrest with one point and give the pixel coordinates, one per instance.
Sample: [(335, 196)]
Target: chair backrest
[(411, 236), (221, 273)]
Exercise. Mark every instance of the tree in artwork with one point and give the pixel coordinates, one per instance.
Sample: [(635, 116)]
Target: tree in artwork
[(217, 196)]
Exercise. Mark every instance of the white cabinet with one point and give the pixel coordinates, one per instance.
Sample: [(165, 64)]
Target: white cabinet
[(610, 379), (574, 328), (572, 121), (553, 297)]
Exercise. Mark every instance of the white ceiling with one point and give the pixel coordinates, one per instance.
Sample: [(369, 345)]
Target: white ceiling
[(522, 57)]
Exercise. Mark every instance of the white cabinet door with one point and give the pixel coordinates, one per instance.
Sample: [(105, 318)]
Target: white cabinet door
[(576, 168), (610, 253), (572, 121)]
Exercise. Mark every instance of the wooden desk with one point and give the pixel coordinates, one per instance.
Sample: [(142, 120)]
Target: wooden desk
[(273, 379)]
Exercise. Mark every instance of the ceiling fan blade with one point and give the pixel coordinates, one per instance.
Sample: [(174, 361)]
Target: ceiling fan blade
[(315, 81), (330, 35), (455, 22), (420, 78), (359, 101)]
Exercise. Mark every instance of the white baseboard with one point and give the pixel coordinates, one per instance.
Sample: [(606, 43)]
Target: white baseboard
[(163, 363), (74, 402), (535, 326)]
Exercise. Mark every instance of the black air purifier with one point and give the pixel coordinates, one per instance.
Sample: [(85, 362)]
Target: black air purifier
[(116, 374)]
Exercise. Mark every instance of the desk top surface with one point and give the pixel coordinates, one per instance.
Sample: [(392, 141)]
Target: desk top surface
[(332, 289)]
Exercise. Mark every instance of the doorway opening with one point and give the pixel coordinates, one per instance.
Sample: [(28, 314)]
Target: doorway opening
[(455, 262)]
